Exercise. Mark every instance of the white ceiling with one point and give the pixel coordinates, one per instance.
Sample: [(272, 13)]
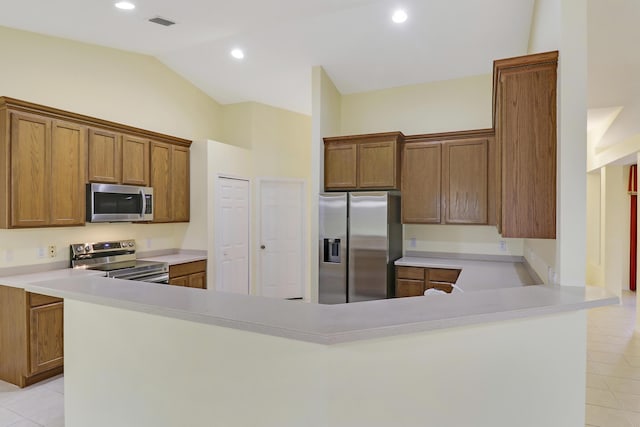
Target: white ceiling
[(354, 40)]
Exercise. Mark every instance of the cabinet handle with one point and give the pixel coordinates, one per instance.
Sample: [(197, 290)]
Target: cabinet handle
[(263, 247)]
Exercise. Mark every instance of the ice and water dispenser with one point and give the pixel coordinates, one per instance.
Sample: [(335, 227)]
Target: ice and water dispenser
[(332, 251)]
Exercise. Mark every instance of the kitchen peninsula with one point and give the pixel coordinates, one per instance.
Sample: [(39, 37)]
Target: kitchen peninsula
[(187, 357)]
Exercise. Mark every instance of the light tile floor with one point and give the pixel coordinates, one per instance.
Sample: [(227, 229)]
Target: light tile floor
[(613, 377), (41, 405), (613, 365)]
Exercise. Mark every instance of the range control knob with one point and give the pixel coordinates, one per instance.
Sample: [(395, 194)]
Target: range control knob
[(79, 248), (131, 244), (87, 248)]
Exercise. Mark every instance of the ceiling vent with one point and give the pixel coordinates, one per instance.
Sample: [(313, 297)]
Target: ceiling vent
[(161, 21)]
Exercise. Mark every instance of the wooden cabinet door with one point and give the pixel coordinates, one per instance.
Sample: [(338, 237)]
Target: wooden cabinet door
[(161, 181), (30, 170), (46, 337), (527, 108), (105, 156), (377, 165), (179, 281), (465, 181), (340, 166), (198, 280), (180, 183), (67, 174), (135, 161), (421, 176)]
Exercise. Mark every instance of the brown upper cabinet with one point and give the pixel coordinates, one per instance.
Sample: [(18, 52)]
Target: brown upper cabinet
[(170, 182), (465, 181), (105, 156), (449, 178), (47, 155), (118, 159), (135, 161), (41, 171), (369, 162), (525, 122), (421, 183)]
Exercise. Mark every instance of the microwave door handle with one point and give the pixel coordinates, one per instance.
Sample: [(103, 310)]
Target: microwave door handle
[(144, 203)]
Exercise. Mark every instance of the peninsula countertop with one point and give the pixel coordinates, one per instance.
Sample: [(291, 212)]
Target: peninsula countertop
[(325, 324)]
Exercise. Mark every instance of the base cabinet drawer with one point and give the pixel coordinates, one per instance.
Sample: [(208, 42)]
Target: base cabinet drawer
[(409, 288), (415, 273), (443, 275)]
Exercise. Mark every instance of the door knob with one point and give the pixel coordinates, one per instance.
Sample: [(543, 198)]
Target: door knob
[(263, 247)]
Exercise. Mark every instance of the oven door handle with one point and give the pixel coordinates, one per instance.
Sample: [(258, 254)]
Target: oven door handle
[(144, 203), (162, 278)]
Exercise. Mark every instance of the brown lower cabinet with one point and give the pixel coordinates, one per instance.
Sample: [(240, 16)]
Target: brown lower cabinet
[(190, 274), (413, 281), (31, 336)]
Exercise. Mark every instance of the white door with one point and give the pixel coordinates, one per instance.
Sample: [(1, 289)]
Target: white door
[(281, 247), (232, 236)]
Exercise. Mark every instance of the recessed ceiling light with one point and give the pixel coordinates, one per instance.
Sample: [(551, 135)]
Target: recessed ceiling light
[(237, 53), (125, 5), (399, 16)]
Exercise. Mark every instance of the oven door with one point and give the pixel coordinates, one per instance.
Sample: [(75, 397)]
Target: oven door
[(119, 203)]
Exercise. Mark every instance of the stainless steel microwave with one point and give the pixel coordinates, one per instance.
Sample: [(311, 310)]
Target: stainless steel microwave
[(119, 203)]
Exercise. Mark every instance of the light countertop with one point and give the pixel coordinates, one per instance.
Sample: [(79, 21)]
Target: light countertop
[(174, 259), (325, 324), (477, 275), (21, 280)]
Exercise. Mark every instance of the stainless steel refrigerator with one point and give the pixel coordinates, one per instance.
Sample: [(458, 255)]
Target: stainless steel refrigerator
[(360, 238)]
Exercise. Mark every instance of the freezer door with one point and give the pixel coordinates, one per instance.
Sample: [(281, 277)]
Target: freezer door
[(332, 283), (368, 246)]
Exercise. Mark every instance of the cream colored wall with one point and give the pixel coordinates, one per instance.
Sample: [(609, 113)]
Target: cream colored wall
[(462, 376), (541, 256), (123, 87), (545, 26), (326, 110), (443, 106), (110, 84), (475, 239), (236, 124), (595, 249)]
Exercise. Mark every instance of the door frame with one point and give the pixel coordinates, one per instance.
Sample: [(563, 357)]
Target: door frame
[(218, 225), (304, 250)]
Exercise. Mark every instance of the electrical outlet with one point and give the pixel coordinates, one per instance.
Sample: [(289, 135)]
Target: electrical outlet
[(8, 255), (503, 245), (412, 242), (53, 251)]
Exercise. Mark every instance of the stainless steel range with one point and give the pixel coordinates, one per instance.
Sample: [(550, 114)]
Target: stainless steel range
[(118, 260)]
